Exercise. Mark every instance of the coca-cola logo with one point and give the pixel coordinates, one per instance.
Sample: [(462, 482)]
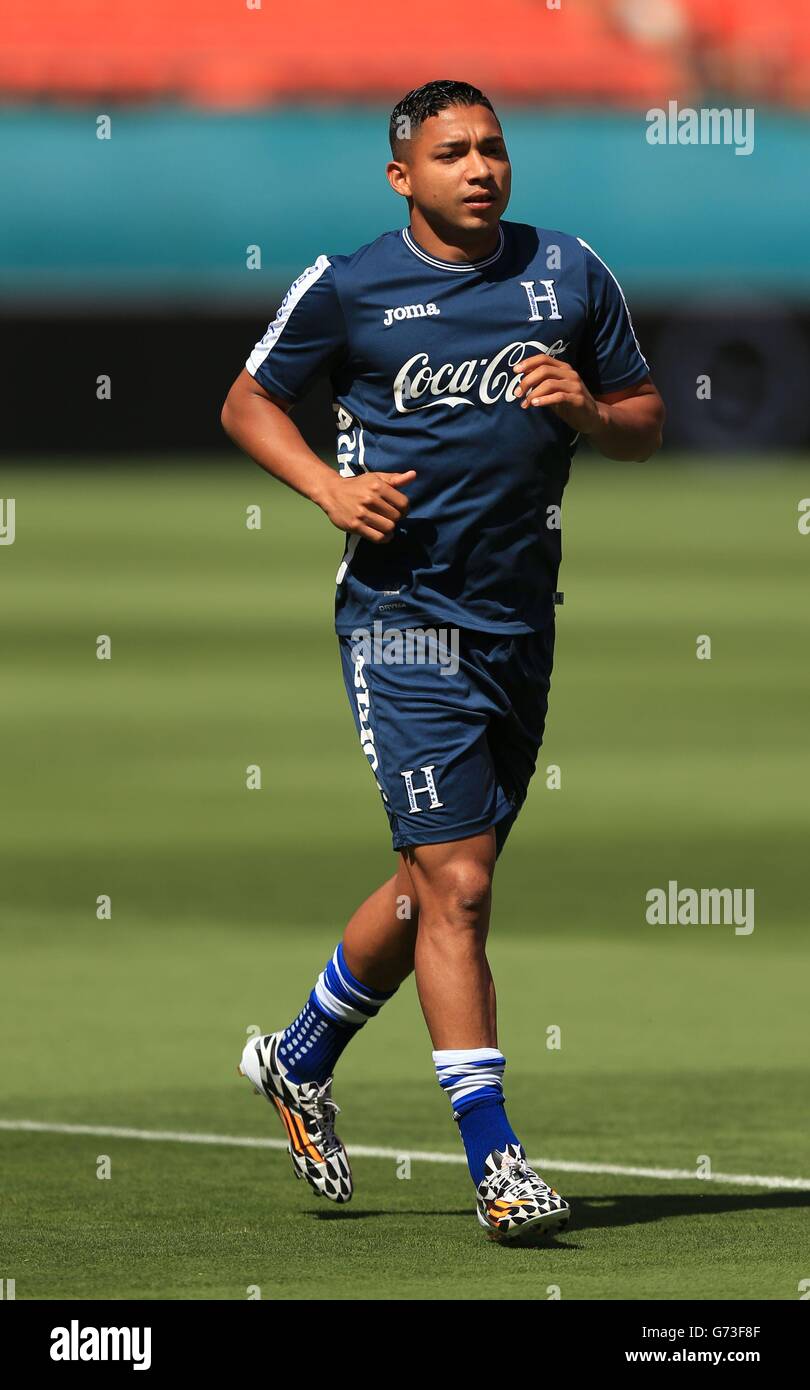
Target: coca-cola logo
[(487, 379)]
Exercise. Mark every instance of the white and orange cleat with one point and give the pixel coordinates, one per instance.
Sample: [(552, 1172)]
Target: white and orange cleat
[(308, 1114), (512, 1200)]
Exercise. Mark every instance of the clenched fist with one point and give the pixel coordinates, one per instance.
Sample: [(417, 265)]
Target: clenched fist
[(368, 505), (545, 380)]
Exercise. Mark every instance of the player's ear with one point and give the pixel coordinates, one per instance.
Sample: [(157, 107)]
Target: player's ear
[(397, 175)]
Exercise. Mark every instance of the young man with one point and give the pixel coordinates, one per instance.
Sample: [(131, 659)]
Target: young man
[(467, 355)]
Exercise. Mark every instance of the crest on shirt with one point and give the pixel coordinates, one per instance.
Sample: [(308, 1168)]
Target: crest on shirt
[(535, 300)]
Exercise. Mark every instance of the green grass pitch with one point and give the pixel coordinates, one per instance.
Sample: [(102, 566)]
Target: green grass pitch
[(127, 777)]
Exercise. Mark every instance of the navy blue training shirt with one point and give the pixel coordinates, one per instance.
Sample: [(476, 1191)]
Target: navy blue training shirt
[(419, 352)]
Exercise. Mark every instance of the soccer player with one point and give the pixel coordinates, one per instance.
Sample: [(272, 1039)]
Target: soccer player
[(467, 355)]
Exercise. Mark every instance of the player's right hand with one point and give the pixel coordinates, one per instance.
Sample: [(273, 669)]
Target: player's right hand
[(369, 504)]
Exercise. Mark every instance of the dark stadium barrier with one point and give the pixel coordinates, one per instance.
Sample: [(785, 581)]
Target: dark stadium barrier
[(168, 377)]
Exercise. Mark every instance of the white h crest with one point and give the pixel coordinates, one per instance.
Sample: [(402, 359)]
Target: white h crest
[(549, 298), (429, 787)]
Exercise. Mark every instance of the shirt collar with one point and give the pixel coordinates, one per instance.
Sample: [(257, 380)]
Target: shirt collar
[(458, 267)]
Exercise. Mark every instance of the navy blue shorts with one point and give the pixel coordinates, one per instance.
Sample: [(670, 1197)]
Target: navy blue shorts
[(452, 751)]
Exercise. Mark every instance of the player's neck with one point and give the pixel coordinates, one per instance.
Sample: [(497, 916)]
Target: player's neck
[(468, 246)]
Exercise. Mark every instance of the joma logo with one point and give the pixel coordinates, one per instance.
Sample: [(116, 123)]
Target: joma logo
[(409, 311)]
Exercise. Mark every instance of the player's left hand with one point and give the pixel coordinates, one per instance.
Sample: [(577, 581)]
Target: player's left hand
[(546, 380)]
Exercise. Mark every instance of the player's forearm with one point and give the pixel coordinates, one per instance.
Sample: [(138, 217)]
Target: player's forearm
[(271, 439), (629, 430)]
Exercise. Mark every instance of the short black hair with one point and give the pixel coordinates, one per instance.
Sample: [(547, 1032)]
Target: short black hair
[(424, 102)]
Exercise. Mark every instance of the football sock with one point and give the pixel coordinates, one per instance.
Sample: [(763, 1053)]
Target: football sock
[(473, 1079), (337, 1008)]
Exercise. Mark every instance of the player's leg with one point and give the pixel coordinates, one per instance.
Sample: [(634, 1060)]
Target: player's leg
[(454, 884), (366, 968), (453, 979), (293, 1068), (379, 940), (456, 989)]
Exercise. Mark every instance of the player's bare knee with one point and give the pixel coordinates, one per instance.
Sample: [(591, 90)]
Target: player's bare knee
[(465, 891)]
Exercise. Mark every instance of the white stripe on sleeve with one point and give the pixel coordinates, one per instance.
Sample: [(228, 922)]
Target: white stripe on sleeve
[(297, 290), (621, 292)]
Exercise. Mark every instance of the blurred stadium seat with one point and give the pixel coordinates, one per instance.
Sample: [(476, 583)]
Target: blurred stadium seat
[(203, 51)]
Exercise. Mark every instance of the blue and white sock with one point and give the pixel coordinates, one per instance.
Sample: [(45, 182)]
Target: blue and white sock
[(337, 1008), (473, 1079)]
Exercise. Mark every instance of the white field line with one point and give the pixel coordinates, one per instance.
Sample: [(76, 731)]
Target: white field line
[(168, 1136)]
